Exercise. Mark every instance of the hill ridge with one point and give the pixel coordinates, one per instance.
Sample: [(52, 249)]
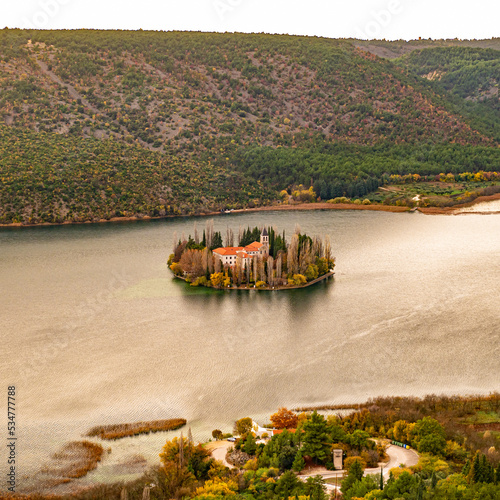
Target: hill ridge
[(210, 99)]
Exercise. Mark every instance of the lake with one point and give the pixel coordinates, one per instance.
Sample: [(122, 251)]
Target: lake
[(95, 330)]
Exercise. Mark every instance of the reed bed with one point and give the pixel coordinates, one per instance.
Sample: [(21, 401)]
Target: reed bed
[(430, 404), (73, 461), (356, 406), (118, 431)]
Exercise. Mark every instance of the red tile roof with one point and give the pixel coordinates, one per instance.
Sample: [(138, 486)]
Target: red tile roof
[(232, 251), (228, 250), (253, 247)]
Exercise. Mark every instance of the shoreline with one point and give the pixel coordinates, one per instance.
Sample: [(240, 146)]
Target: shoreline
[(329, 274), (454, 210)]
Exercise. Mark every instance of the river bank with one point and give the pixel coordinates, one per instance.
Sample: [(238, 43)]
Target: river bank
[(454, 210), (269, 288)]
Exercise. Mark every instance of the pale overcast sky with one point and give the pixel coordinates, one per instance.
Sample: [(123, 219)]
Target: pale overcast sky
[(390, 19)]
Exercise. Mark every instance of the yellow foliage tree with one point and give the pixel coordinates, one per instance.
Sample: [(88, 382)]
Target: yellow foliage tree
[(176, 268), (298, 279), (284, 196), (217, 487), (350, 460), (397, 471), (251, 464), (217, 279)]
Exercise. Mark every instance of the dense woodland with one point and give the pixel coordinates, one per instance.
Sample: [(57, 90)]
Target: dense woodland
[(292, 264), (101, 124)]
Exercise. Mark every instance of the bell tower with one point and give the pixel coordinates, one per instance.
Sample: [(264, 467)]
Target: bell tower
[(264, 237)]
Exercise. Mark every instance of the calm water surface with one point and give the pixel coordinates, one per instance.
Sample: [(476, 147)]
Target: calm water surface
[(94, 329)]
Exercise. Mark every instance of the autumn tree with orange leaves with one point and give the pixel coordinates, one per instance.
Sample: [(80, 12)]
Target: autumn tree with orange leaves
[(284, 419)]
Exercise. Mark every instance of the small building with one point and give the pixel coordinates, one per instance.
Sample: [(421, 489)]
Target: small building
[(261, 432), (228, 255), (337, 459)]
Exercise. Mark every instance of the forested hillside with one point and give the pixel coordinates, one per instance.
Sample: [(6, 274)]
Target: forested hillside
[(112, 123), (391, 49), (467, 72), (469, 75)]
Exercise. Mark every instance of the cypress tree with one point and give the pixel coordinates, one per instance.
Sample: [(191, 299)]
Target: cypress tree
[(434, 479), (488, 472), (420, 490), (484, 469), (474, 475), (491, 474), (216, 241), (466, 468), (270, 232), (476, 470)]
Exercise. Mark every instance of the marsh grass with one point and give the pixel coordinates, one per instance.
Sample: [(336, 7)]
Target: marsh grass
[(73, 461), (118, 431)]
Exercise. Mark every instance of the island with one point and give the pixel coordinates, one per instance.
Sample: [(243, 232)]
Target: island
[(263, 259)]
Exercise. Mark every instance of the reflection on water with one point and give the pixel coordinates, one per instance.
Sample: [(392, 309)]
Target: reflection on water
[(99, 332)]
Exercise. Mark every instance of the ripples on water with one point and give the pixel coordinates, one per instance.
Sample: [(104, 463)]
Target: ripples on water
[(97, 331)]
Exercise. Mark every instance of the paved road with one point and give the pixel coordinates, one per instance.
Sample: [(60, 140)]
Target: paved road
[(397, 456), (219, 453)]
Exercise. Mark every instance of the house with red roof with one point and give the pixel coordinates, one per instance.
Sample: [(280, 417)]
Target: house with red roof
[(228, 255)]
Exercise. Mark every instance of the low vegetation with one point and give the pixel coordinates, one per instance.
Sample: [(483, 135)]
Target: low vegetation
[(118, 431)]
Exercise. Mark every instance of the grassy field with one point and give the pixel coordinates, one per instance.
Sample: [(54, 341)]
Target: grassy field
[(482, 417)]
